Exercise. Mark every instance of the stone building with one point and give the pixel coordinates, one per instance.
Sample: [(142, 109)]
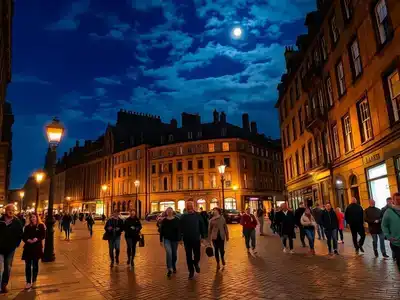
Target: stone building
[(339, 104)]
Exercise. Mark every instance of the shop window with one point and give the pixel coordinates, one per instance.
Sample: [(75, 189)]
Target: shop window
[(201, 204), (181, 206), (213, 203), (166, 204), (230, 203), (378, 184), (154, 206)]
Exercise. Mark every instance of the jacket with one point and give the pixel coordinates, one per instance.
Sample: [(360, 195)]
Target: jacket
[(373, 214), (33, 250), (329, 220), (248, 221), (218, 224), (308, 223), (192, 227), (10, 235), (287, 222), (340, 217), (170, 230), (132, 227), (354, 215), (391, 225), (117, 226), (89, 219), (317, 212), (298, 214), (66, 220)]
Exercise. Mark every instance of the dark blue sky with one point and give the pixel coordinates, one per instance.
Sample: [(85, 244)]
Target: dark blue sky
[(83, 60)]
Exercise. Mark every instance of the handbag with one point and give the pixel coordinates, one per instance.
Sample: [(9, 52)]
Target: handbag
[(106, 236), (209, 251), (141, 240)]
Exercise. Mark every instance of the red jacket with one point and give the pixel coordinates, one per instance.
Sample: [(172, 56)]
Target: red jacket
[(248, 221), (340, 217)]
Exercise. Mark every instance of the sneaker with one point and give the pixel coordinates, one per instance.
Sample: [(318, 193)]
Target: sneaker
[(313, 252), (169, 273), (376, 253), (385, 256), (28, 286), (361, 249), (336, 252), (197, 268), (191, 275), (291, 251), (357, 251), (284, 250)]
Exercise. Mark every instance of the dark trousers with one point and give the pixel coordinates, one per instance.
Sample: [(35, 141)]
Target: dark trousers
[(250, 235), (393, 251), (396, 252), (192, 249), (131, 247), (5, 267), (67, 230), (331, 238), (340, 233), (90, 228), (114, 244), (302, 235), (219, 249), (31, 270), (286, 237), (360, 230)]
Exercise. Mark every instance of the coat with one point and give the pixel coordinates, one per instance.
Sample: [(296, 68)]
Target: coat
[(354, 215), (10, 235), (33, 250), (373, 214), (287, 223), (248, 221), (308, 223), (218, 224), (132, 227), (340, 217), (329, 220), (391, 225), (117, 226)]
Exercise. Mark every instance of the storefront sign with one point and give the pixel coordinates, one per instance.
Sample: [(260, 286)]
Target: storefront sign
[(198, 194), (372, 158), (267, 198)]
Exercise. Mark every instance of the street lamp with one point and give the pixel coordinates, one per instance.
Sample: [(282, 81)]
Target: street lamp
[(221, 170), (104, 188), (21, 195), (68, 199), (39, 176), (54, 133), (137, 184)]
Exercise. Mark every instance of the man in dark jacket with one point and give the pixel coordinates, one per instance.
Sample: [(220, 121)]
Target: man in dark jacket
[(132, 228), (90, 222), (354, 216), (317, 213), (287, 221), (373, 216), (298, 214), (193, 230), (330, 223), (10, 238)]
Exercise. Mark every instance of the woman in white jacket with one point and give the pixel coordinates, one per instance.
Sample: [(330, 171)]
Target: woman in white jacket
[(309, 224)]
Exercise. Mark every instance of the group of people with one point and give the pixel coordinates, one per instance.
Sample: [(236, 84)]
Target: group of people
[(66, 220)]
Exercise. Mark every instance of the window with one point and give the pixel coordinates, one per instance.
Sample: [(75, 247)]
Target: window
[(228, 179), (190, 135), (225, 146), (340, 78), (382, 21), (211, 147), (297, 162), (153, 185), (153, 169), (124, 172), (365, 120), (355, 59), (190, 150), (329, 90), (180, 150), (335, 137), (179, 166), (347, 133), (244, 162), (321, 100), (347, 10), (304, 157), (190, 165), (298, 88), (334, 30), (138, 154), (180, 182), (300, 116), (378, 184), (393, 81), (324, 48), (200, 164), (170, 167), (245, 181), (291, 97), (213, 180), (310, 154), (288, 135), (291, 168), (227, 162), (201, 181), (211, 163), (165, 185), (190, 182), (294, 129)]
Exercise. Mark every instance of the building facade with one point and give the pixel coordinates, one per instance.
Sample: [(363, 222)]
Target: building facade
[(143, 163), (339, 104)]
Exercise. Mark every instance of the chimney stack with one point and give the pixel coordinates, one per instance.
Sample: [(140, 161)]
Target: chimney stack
[(245, 122), (215, 116), (174, 123), (222, 118), (254, 127)]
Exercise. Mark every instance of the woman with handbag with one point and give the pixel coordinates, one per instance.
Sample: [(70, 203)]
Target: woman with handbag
[(114, 228), (34, 234), (218, 233), (169, 238), (132, 235)]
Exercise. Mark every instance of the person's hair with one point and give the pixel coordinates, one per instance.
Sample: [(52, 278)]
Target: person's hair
[(339, 209), (39, 220), (218, 210), (388, 199)]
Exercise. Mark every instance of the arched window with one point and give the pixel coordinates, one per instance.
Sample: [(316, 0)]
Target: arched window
[(119, 206), (213, 203), (230, 203), (181, 206), (124, 206), (165, 184), (201, 203), (353, 180)]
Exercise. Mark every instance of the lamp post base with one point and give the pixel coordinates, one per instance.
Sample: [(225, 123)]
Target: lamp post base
[(49, 255)]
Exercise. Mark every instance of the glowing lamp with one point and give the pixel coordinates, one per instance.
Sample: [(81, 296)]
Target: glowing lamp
[(39, 176), (54, 132), (221, 169), (137, 183), (22, 194), (235, 187), (104, 187)]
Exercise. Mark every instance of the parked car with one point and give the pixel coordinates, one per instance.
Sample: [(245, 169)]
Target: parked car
[(97, 217), (152, 216), (232, 216), (124, 215)]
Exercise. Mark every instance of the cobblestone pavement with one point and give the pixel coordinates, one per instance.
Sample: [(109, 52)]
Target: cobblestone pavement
[(270, 274)]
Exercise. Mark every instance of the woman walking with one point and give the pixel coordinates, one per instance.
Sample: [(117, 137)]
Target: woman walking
[(66, 225), (114, 228), (132, 227), (340, 217), (218, 233), (33, 235), (169, 238), (309, 225)]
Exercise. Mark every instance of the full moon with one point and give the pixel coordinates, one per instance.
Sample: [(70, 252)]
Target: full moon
[(237, 32)]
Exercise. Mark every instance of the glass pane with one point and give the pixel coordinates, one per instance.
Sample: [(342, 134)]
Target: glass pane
[(379, 190), (377, 171), (165, 205)]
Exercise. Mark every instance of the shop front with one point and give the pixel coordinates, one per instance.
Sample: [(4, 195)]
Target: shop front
[(308, 195), (378, 184), (256, 202)]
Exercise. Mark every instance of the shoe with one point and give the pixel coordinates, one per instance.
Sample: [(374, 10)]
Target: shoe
[(174, 270), (385, 256), (191, 275), (330, 253), (284, 250), (129, 261), (313, 252), (361, 249), (4, 289), (218, 266), (169, 273), (336, 252), (112, 264), (223, 262), (291, 251), (376, 253), (248, 250), (132, 263), (117, 260), (28, 286), (197, 268), (357, 251)]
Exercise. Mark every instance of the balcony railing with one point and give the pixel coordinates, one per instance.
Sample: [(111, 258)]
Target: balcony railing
[(316, 118), (312, 77)]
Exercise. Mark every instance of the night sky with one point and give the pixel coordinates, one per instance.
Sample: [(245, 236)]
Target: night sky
[(84, 60)]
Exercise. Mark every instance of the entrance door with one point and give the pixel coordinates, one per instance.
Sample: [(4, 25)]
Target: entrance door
[(340, 198), (355, 193)]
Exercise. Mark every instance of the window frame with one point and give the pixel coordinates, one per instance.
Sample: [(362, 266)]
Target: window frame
[(347, 133), (294, 129), (347, 10), (363, 110), (354, 60), (334, 30), (329, 91), (377, 23), (339, 79), (335, 141)]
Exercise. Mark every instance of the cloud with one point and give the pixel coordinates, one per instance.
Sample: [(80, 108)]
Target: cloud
[(23, 78), (113, 80), (69, 20)]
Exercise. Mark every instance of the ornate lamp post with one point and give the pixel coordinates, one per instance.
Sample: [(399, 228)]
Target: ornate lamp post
[(221, 170), (137, 184), (104, 188), (54, 132), (21, 195), (39, 176)]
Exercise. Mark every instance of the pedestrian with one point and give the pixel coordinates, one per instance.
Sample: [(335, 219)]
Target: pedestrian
[(287, 223), (389, 203), (317, 212), (340, 217), (193, 231), (169, 238), (373, 216), (260, 218), (249, 224), (330, 224), (298, 214), (113, 230), (271, 217), (132, 228), (10, 239), (74, 218), (391, 226), (90, 222), (218, 233), (309, 225), (103, 219), (34, 234), (66, 225), (354, 216), (205, 217)]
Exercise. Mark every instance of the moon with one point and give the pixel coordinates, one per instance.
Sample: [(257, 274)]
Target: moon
[(237, 32)]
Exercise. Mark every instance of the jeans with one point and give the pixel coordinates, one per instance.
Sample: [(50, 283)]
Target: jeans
[(5, 267), (357, 229), (381, 237), (171, 251), (250, 234), (321, 232), (131, 247), (219, 249), (90, 228), (261, 221), (396, 252), (285, 238), (340, 233), (67, 230), (192, 249), (302, 235), (310, 234), (31, 270), (331, 237), (114, 243)]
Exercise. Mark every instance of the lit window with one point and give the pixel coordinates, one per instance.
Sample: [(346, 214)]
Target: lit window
[(341, 78), (394, 89), (347, 132), (225, 146), (365, 120), (382, 20), (356, 58), (211, 147)]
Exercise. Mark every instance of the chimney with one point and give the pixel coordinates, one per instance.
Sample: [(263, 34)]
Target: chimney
[(222, 118), (174, 123), (215, 116), (245, 122), (254, 127)]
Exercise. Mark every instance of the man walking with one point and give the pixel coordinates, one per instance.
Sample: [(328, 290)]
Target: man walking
[(249, 224), (391, 227), (330, 223), (287, 221), (260, 217), (10, 238), (317, 213), (354, 216), (298, 214), (193, 230), (389, 203), (373, 216)]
